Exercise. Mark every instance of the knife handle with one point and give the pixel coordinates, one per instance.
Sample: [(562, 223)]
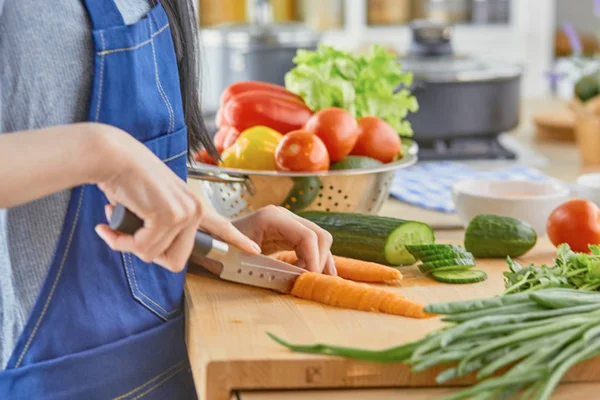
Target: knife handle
[(123, 220)]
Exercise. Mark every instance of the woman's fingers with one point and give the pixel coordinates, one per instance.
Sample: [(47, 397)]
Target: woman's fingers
[(176, 256), (218, 226), (325, 240), (330, 266)]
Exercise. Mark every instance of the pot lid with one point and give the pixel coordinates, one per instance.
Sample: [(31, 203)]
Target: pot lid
[(245, 35), (431, 58), (453, 68)]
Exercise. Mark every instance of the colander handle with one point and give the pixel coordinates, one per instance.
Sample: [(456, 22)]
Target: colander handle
[(222, 178)]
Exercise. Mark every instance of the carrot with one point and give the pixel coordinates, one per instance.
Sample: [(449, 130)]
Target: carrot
[(354, 270), (339, 292)]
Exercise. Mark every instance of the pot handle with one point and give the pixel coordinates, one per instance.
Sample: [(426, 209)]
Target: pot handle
[(200, 175)]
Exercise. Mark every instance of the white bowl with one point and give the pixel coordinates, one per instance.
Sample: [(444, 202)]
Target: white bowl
[(588, 187), (528, 201)]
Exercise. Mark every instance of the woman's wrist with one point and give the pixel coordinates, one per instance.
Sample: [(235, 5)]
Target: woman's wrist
[(105, 148)]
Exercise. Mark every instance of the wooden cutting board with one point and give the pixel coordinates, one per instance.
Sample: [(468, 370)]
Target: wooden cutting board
[(229, 349)]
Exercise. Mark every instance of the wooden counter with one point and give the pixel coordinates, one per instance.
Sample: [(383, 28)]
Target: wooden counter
[(227, 323)]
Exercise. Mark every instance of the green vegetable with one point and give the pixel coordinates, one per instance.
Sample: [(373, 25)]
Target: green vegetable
[(370, 237), (587, 87), (570, 270), (494, 236), (429, 252), (531, 342), (355, 162), (302, 194), (459, 276), (428, 268), (365, 85)]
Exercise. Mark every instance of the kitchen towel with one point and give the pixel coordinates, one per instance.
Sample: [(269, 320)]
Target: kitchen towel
[(429, 185)]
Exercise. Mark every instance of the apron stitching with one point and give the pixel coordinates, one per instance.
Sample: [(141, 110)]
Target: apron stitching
[(167, 378), (143, 294), (183, 153), (55, 283), (137, 46), (179, 365), (158, 84), (101, 78), (133, 289)]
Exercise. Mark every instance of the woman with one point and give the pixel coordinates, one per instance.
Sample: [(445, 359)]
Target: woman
[(99, 105)]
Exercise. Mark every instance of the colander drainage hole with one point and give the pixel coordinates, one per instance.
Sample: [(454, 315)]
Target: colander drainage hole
[(319, 204), (330, 187), (329, 198), (335, 204), (320, 195), (327, 209), (346, 197)]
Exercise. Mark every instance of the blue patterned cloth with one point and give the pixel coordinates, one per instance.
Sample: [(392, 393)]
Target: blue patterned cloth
[(429, 185)]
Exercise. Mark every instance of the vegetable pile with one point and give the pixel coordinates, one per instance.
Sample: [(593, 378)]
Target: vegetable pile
[(570, 270), (535, 337), (448, 263), (336, 106)]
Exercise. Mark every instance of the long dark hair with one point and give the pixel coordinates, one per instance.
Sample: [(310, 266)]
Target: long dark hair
[(184, 29)]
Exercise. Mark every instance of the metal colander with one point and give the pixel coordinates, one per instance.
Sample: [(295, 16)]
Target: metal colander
[(236, 193)]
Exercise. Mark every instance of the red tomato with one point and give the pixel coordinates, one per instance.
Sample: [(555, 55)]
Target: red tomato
[(270, 109), (377, 139), (203, 157), (576, 223), (251, 86), (301, 151), (337, 128)]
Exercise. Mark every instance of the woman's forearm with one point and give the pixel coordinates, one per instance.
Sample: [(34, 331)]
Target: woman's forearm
[(36, 163)]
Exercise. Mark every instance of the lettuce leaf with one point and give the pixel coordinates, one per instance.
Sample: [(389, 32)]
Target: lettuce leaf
[(364, 85)]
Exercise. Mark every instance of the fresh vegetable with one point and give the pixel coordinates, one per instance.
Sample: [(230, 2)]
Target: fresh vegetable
[(377, 139), (587, 87), (430, 252), (371, 238), (225, 137), (253, 150), (494, 236), (354, 270), (529, 340), (203, 157), (576, 223), (459, 276), (219, 121), (355, 162), (570, 270), (263, 108), (302, 194), (339, 292), (301, 151), (365, 85), (337, 128), (253, 86)]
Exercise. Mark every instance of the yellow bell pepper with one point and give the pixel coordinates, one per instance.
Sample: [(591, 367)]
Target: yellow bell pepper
[(254, 149)]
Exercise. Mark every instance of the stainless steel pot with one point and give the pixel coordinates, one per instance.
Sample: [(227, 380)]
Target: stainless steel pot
[(458, 96), (261, 50)]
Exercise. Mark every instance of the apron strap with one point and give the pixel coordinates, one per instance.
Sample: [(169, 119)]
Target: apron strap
[(104, 13)]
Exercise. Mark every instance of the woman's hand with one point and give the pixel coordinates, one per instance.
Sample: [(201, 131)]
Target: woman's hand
[(133, 176), (276, 228)]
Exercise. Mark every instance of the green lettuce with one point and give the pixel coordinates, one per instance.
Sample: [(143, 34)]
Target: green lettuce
[(364, 85)]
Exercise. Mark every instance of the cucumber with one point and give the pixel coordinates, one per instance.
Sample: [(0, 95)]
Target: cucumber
[(494, 236), (450, 261), (372, 238), (355, 162), (441, 257), (302, 194), (464, 276), (427, 269), (423, 252), (587, 87)]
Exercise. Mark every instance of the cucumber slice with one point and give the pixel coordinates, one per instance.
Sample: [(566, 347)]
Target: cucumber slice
[(460, 276), (441, 257), (370, 237), (449, 261), (424, 252), (428, 269)]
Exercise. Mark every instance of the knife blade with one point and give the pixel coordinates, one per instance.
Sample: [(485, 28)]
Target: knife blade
[(235, 265)]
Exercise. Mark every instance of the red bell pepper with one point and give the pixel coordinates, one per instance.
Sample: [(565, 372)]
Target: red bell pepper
[(252, 86)]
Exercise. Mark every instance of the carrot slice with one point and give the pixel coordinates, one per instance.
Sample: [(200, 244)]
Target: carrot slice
[(336, 291), (355, 270)]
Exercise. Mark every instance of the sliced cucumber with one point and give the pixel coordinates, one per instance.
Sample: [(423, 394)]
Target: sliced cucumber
[(441, 257), (460, 276), (423, 252), (427, 269)]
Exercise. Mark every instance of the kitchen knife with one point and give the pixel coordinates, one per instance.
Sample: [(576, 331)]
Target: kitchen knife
[(235, 265)]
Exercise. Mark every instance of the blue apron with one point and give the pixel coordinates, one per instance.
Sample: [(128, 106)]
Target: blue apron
[(106, 325)]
